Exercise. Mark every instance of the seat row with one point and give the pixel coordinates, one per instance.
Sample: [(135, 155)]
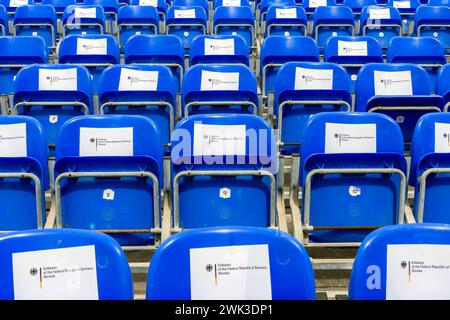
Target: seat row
[(204, 264)]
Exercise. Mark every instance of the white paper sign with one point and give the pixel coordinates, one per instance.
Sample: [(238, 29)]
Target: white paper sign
[(219, 139), (91, 46), (442, 137), (101, 142), (18, 3), (379, 14), (397, 83), (85, 12), (352, 48), (231, 3), (138, 80), (185, 14), (402, 4), (230, 273), (350, 138), (153, 3), (219, 46), (56, 274), (219, 81), (317, 3), (58, 79), (13, 140), (418, 272), (313, 79), (290, 13)]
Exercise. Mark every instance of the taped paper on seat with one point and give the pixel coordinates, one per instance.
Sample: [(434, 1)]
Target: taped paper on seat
[(352, 48), (418, 272), (231, 3), (379, 14), (91, 46), (58, 79), (397, 83), (100, 142), (317, 3), (219, 139), (56, 274), (290, 13), (442, 137), (313, 79), (153, 3), (13, 140), (138, 80), (18, 3), (350, 138), (184, 14), (230, 273), (219, 46), (85, 12), (219, 81), (401, 4)]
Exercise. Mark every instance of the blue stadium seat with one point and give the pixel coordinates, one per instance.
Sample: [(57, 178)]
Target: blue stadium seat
[(4, 27), (108, 177), (352, 53), (95, 52), (36, 20), (186, 23), (426, 52), (52, 94), (16, 53), (286, 21), (59, 5), (223, 88), (443, 85), (193, 3), (433, 22), (235, 21), (83, 20), (132, 20), (218, 49), (234, 174), (11, 6), (430, 155), (266, 4), (277, 50), (437, 3), (303, 89), (147, 90), (311, 5), (358, 5), (111, 8), (163, 49), (63, 249), (329, 22), (382, 23), (343, 179), (291, 273), (381, 270), (407, 9), (160, 5), (24, 174), (231, 3), (401, 91)]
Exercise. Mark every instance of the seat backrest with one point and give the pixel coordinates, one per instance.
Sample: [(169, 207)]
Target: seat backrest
[(11, 5), (50, 83), (266, 4), (353, 50), (286, 15), (89, 49), (231, 3), (183, 15), (403, 6), (357, 5), (379, 15), (333, 15), (318, 3), (419, 50), (431, 15), (137, 83), (405, 261), (138, 14), (32, 265), (108, 5), (312, 81), (21, 50), (75, 14), (443, 85), (4, 19), (218, 49), (280, 49), (233, 15), (154, 49), (253, 143), (42, 13), (59, 5), (24, 138), (192, 3), (193, 264), (439, 3), (390, 79)]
